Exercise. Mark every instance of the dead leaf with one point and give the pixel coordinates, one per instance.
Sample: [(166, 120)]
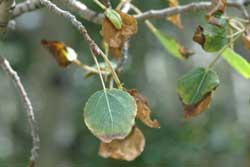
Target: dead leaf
[(196, 109), (186, 53), (143, 110), (217, 7), (126, 149), (199, 36), (116, 38), (64, 55), (246, 39), (175, 19)]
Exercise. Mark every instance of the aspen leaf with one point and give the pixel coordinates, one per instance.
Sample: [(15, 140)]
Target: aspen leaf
[(212, 38), (172, 46), (175, 19), (116, 38), (143, 110), (195, 90), (126, 149), (63, 54), (237, 62), (110, 114)]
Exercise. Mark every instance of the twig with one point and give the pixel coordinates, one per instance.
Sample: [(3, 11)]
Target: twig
[(163, 13), (92, 45), (84, 12), (6, 7), (29, 110), (25, 7), (74, 5)]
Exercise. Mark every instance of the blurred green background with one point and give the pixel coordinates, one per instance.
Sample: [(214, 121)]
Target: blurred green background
[(217, 137)]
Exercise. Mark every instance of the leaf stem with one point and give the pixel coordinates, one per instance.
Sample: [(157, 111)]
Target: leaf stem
[(100, 4), (99, 71), (88, 68), (218, 56), (114, 75)]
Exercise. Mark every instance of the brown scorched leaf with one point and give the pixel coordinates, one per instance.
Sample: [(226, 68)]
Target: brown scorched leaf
[(175, 19), (116, 38), (199, 36), (218, 7), (64, 55), (143, 110), (246, 39), (196, 109), (126, 149)]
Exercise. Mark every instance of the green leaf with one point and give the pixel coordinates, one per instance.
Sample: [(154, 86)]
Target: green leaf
[(193, 86), (169, 43), (212, 37), (110, 115), (237, 62), (215, 38), (114, 18)]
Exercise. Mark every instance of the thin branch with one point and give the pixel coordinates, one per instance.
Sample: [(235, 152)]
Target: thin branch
[(198, 6), (74, 5), (6, 7), (77, 24), (84, 12), (25, 7), (67, 15), (5, 65)]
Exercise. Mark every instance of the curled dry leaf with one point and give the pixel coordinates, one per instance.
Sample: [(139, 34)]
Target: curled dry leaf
[(199, 36), (246, 39), (175, 19), (126, 149), (64, 55), (143, 110), (218, 7), (186, 53), (117, 37)]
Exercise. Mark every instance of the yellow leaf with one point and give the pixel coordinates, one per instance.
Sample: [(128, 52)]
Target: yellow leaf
[(175, 19)]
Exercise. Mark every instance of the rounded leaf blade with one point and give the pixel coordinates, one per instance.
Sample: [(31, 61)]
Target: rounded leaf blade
[(110, 114)]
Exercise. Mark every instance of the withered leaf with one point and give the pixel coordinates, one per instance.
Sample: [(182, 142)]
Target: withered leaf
[(196, 109), (217, 8), (143, 110), (126, 149), (186, 53), (246, 39), (117, 37), (199, 36), (63, 54), (175, 19)]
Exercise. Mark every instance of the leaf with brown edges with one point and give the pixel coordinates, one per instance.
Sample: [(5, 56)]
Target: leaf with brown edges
[(175, 19), (116, 38), (126, 149), (143, 110), (196, 109), (63, 54)]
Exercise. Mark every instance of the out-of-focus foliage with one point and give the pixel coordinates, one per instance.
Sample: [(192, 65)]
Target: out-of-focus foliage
[(219, 137)]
